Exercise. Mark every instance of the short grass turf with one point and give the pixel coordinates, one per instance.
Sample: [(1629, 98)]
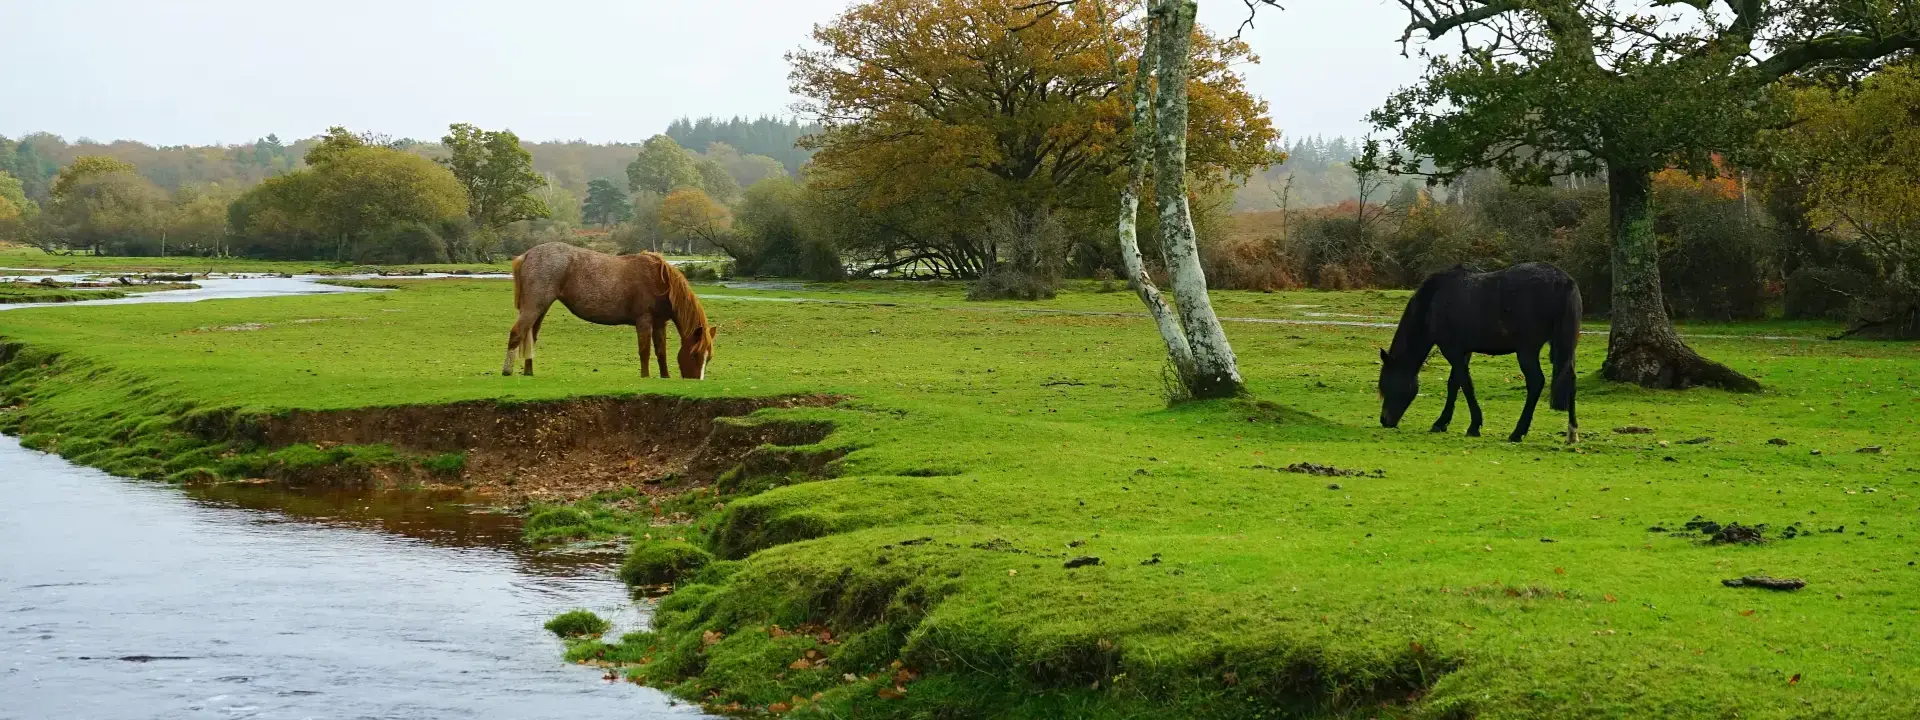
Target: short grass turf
[(1475, 579)]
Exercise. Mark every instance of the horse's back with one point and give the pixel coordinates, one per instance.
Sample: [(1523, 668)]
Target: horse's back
[(1500, 312), (595, 286)]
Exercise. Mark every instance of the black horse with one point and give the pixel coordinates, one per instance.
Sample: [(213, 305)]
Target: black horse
[(1515, 310)]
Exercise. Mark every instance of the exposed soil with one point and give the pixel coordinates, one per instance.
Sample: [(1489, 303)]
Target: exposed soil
[(553, 451), (1762, 581)]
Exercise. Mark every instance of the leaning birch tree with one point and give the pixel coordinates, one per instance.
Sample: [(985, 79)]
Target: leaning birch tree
[(1196, 343)]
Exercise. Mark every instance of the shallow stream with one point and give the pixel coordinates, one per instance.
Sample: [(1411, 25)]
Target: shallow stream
[(134, 599)]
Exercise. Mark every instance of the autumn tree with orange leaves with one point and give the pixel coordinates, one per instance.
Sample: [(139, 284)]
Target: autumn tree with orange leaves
[(945, 116)]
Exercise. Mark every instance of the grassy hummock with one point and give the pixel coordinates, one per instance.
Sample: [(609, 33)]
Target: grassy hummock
[(660, 563), (932, 555), (578, 624)]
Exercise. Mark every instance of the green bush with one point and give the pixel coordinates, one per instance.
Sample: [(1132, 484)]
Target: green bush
[(578, 624), (656, 563)]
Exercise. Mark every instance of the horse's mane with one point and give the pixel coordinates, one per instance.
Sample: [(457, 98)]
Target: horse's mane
[(1410, 338), (688, 315)]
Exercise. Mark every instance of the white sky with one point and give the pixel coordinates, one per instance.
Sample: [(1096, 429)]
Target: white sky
[(228, 71)]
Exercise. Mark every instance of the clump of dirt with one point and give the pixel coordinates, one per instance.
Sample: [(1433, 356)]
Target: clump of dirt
[(1308, 468), (1732, 533), (1762, 581), (553, 451), (1737, 534)]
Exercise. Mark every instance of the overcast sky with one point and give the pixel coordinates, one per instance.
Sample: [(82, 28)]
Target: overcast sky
[(228, 71)]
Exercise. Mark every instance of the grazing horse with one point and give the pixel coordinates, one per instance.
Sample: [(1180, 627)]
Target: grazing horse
[(642, 290), (1515, 310)]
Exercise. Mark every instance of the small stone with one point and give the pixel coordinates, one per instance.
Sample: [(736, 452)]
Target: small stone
[(1869, 450), (1778, 441)]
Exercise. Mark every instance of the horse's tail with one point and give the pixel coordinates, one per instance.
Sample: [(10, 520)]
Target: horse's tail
[(518, 293), (1565, 338)]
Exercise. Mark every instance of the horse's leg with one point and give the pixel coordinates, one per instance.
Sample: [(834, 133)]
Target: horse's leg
[(520, 338), (513, 344), (1561, 354), (660, 344), (1453, 393), (644, 328), (1473, 402), (1530, 367), (533, 338)]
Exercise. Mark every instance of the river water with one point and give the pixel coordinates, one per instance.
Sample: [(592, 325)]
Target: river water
[(134, 599)]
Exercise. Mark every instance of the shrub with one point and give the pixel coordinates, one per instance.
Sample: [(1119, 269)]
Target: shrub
[(576, 624), (657, 563), (1241, 262)]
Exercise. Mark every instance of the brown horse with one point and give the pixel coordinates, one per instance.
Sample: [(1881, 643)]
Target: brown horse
[(642, 290)]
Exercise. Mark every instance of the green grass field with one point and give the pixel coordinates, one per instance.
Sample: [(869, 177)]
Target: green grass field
[(1475, 579)]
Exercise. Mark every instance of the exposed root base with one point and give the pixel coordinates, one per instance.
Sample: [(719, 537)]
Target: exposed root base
[(1671, 366), (550, 451)]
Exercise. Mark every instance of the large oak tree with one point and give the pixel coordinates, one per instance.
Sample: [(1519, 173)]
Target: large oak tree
[(1540, 88)]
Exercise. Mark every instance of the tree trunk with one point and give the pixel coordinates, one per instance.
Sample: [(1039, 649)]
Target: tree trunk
[(1178, 351), (1643, 347), (1215, 372)]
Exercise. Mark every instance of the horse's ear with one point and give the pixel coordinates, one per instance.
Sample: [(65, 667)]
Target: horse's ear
[(1383, 357), (712, 330)]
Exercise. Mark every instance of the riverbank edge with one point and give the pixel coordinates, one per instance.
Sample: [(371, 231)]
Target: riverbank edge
[(23, 293), (734, 630)]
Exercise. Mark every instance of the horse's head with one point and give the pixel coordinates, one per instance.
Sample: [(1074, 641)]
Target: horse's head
[(696, 351), (1399, 385)]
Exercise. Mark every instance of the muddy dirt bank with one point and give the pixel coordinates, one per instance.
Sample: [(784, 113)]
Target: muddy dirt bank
[(547, 451)]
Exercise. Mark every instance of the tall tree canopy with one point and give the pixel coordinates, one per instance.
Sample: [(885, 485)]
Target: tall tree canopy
[(497, 174), (941, 115), (86, 167), (606, 204), (1850, 161), (103, 205), (17, 213), (1549, 87), (765, 136), (693, 215), (662, 167), (354, 201)]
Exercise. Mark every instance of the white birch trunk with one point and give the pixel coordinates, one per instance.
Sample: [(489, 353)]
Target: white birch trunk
[(1143, 147), (1215, 372)]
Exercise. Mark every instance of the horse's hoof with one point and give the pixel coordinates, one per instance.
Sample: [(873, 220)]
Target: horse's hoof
[(1473, 432), (1516, 437), (1438, 429)]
